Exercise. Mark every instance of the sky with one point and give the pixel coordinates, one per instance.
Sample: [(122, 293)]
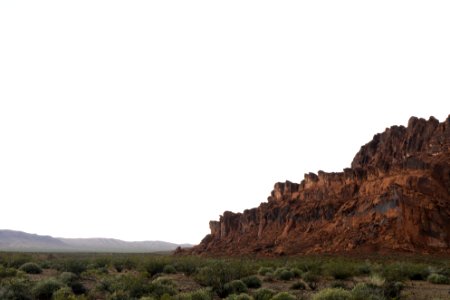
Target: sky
[(143, 120)]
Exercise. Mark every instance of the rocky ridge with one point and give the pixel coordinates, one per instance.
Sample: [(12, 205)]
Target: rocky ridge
[(395, 197)]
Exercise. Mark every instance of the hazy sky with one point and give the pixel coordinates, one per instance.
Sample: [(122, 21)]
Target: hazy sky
[(143, 120)]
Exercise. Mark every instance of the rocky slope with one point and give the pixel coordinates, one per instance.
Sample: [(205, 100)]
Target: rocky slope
[(395, 197)]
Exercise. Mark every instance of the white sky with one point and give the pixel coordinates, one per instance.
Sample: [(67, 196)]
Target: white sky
[(143, 120)]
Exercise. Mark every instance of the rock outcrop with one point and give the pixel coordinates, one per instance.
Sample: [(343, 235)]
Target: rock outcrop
[(395, 197)]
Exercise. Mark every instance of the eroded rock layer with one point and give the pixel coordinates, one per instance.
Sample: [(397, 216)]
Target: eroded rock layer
[(395, 197)]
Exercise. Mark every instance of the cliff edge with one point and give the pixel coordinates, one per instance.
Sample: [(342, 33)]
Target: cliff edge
[(395, 197)]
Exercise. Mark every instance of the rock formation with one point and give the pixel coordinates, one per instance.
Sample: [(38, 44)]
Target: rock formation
[(395, 197)]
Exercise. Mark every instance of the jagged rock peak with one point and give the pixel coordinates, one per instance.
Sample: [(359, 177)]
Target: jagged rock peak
[(395, 197)]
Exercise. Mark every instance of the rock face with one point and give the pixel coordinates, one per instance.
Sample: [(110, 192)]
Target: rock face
[(395, 197)]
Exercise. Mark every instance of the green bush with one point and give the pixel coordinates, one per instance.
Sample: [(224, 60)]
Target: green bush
[(312, 279), (64, 293), (31, 268), (297, 272), (240, 297), (235, 287), (201, 294), (67, 277), (119, 295), (333, 294), (165, 281), (158, 289), (364, 269), (263, 294), (76, 266), (189, 265), (298, 286), (44, 289), (283, 274), (169, 269), (252, 282), (339, 269), (15, 289), (269, 277), (264, 270), (154, 266), (283, 296), (217, 273), (77, 288), (392, 290), (365, 291), (121, 264), (438, 279)]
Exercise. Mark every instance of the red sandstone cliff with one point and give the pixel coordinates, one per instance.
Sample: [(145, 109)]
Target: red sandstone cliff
[(395, 197)]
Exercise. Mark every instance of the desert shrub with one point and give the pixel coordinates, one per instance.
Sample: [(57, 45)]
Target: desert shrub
[(119, 295), (77, 288), (31, 268), (76, 266), (339, 269), (312, 279), (363, 269), (365, 291), (165, 281), (239, 297), (137, 286), (252, 281), (158, 289), (283, 274), (101, 263), (235, 287), (377, 280), (18, 259), (415, 271), (298, 286), (147, 298), (401, 271), (201, 294), (121, 264), (338, 284), (438, 279), (44, 289), (7, 272), (310, 265), (283, 296), (188, 265), (269, 277), (264, 270), (392, 290), (67, 277), (217, 273), (169, 269), (15, 289), (297, 272), (263, 294), (154, 266), (333, 294), (64, 293)]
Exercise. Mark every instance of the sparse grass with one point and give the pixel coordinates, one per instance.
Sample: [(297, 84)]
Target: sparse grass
[(162, 277), (333, 294), (438, 279)]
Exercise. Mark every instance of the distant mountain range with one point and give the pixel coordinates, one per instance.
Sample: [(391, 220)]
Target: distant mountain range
[(11, 240)]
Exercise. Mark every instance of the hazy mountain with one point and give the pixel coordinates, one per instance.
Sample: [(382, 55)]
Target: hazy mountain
[(11, 240)]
